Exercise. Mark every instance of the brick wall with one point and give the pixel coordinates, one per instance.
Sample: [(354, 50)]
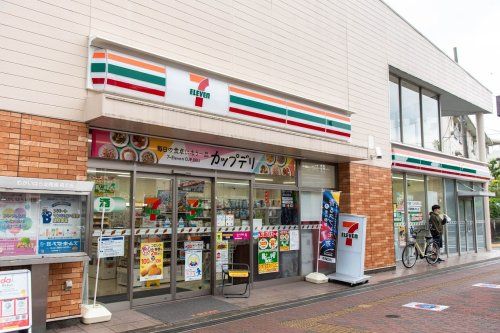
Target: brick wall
[(367, 190), (39, 147), (61, 303)]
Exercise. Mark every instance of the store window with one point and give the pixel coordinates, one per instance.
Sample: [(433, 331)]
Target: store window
[(451, 211), (430, 117), (232, 203), (435, 192), (394, 106), (41, 224), (415, 202), (317, 175), (480, 222), (398, 214), (276, 249), (113, 272), (412, 125)]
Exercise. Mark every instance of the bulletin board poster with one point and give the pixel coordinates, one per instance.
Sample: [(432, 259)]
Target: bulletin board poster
[(60, 230), (151, 261), (15, 300), (18, 228), (329, 225), (268, 255)]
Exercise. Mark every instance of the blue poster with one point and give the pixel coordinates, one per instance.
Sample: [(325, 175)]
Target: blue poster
[(59, 246), (329, 222)]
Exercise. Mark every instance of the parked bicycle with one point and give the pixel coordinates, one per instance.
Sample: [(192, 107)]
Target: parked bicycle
[(413, 251)]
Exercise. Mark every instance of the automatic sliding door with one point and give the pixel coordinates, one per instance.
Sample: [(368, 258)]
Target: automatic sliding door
[(194, 226)]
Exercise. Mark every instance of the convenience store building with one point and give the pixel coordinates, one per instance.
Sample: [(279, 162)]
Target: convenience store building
[(204, 143)]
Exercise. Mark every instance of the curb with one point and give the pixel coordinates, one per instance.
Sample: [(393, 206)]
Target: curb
[(234, 315)]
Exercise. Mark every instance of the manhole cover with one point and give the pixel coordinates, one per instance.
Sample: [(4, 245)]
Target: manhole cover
[(392, 316)]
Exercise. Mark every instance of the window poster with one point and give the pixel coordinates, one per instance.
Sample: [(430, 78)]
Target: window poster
[(294, 240), (18, 224), (15, 300), (60, 228), (284, 240), (193, 261), (151, 261), (268, 255), (222, 252)]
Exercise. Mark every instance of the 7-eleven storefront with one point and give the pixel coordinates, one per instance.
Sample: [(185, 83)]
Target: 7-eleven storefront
[(204, 191), (421, 180)]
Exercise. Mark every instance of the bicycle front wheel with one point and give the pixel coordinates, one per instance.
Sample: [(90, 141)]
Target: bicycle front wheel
[(432, 253), (409, 256)]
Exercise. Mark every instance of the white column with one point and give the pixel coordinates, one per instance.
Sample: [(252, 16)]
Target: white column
[(481, 144)]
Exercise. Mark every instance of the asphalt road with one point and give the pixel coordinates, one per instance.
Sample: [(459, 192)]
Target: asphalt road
[(380, 309)]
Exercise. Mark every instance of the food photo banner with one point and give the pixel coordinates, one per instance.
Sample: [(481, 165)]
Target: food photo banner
[(138, 148), (123, 74)]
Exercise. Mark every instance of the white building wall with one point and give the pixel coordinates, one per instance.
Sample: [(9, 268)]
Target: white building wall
[(332, 52)]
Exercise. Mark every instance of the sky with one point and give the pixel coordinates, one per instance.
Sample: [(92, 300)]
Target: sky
[(473, 26)]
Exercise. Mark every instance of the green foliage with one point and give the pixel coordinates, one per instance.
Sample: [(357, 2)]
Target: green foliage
[(494, 167)]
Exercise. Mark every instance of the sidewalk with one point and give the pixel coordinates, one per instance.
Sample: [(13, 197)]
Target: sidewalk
[(168, 314)]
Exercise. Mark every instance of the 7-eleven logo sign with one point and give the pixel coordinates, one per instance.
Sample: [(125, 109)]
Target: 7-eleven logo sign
[(199, 93), (350, 234)]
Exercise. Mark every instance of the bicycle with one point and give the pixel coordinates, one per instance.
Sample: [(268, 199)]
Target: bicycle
[(413, 251)]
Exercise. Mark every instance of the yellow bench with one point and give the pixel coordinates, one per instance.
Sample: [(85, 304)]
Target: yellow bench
[(236, 270)]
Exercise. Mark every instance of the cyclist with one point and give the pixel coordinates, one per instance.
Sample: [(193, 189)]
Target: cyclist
[(436, 223)]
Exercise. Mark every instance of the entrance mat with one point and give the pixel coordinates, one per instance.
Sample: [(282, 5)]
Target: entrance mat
[(188, 309)]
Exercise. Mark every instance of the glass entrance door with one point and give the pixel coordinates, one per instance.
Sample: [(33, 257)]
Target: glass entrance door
[(153, 237), (193, 237), (466, 224)]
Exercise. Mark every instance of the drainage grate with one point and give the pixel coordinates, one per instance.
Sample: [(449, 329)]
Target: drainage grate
[(392, 316)]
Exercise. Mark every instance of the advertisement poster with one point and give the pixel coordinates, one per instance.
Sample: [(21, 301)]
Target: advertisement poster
[(60, 230), (19, 214), (151, 261), (193, 260), (268, 255), (284, 240), (222, 252), (138, 148), (112, 246), (415, 214), (15, 300), (329, 222), (294, 240), (241, 235)]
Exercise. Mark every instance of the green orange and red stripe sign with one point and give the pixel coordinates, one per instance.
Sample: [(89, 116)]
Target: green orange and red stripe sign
[(123, 74), (422, 163)]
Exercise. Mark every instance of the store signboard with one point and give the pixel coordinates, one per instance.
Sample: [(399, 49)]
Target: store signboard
[(268, 255), (113, 246), (15, 300), (151, 261), (329, 222), (19, 216), (284, 240), (109, 204), (150, 150), (60, 230)]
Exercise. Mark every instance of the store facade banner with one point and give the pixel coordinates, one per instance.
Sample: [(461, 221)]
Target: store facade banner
[(329, 225), (151, 261), (151, 150), (15, 300), (60, 230), (268, 255)]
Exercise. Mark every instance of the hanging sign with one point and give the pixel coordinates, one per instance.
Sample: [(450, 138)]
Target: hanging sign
[(329, 221), (284, 240), (151, 261), (268, 255), (15, 300), (113, 246)]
